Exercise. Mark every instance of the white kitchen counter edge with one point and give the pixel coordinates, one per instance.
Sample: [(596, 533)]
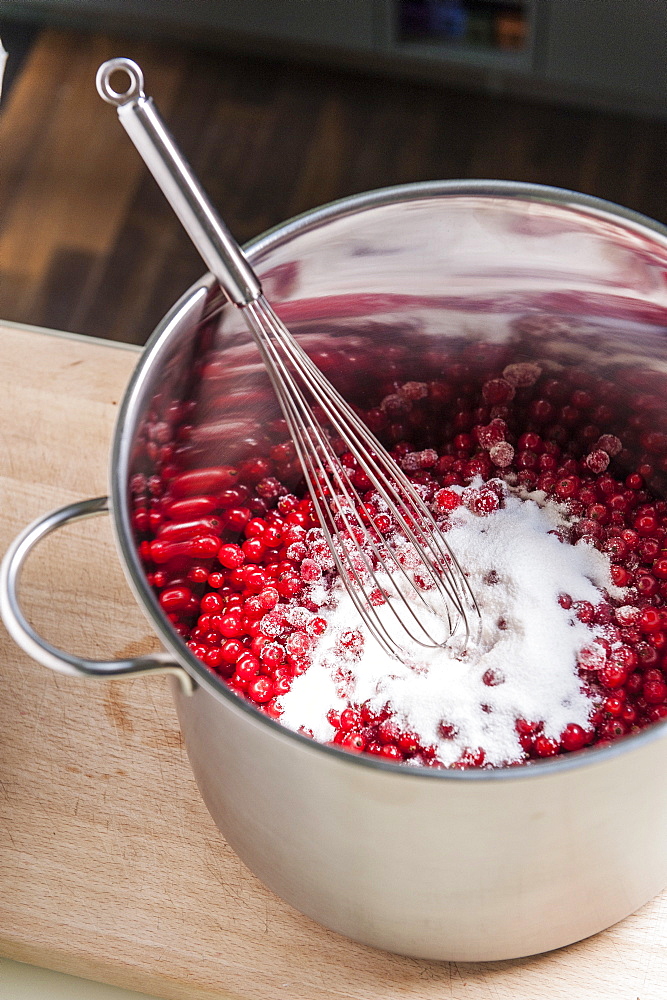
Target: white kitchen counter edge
[(28, 982)]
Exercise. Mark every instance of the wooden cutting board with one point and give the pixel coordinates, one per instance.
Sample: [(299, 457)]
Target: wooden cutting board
[(110, 866)]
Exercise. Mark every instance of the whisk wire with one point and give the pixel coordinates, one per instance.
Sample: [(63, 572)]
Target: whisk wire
[(348, 568), (393, 498), (291, 370), (297, 418), (367, 446)]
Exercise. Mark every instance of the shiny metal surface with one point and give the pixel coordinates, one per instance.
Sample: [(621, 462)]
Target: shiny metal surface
[(143, 123), (33, 644), (463, 865), (455, 865), (456, 869), (365, 566), (3, 62)]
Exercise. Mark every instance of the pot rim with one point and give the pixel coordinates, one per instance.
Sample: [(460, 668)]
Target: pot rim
[(120, 455)]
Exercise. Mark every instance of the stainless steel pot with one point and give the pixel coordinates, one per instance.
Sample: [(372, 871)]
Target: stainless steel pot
[(464, 865)]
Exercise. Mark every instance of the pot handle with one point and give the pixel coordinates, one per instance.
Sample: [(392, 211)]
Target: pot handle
[(39, 649)]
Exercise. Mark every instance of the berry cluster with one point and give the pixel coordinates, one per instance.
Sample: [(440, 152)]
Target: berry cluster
[(232, 550)]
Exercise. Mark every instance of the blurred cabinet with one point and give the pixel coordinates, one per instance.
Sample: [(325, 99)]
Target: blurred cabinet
[(483, 34), (605, 52), (619, 46), (608, 52), (345, 23)]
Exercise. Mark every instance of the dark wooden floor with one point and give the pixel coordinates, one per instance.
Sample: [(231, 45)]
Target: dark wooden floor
[(87, 243)]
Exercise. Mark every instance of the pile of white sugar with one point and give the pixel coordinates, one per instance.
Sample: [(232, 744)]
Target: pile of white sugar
[(517, 568)]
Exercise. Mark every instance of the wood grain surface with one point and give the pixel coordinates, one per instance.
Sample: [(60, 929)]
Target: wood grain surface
[(110, 866)]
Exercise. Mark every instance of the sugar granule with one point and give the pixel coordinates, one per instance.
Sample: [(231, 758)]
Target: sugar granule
[(524, 666)]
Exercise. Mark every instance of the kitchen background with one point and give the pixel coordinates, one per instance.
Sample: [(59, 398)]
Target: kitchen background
[(282, 105)]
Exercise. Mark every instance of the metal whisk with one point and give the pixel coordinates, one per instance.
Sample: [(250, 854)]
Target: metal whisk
[(404, 580)]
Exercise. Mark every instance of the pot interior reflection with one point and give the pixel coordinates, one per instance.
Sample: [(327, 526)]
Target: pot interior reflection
[(450, 288)]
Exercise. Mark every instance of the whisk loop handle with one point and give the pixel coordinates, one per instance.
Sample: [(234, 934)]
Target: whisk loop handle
[(145, 127)]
